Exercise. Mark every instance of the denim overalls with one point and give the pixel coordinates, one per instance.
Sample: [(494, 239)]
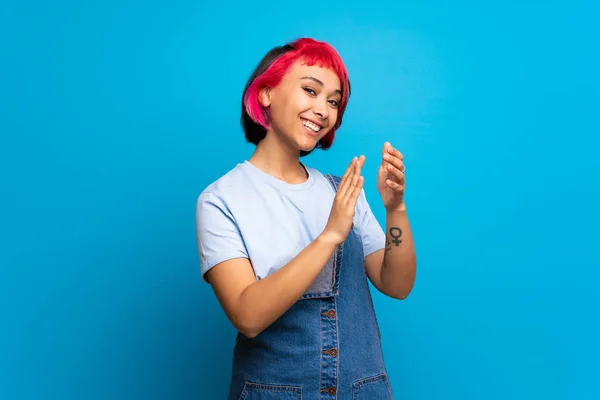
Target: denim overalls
[(326, 346)]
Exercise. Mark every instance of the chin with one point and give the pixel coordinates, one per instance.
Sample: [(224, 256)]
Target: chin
[(306, 149), (307, 145), (307, 142)]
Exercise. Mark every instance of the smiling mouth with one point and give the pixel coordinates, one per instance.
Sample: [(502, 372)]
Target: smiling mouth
[(310, 126)]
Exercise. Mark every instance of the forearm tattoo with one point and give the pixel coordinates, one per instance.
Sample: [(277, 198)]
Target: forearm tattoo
[(395, 233)]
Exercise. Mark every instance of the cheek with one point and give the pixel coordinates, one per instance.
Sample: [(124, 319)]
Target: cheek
[(333, 116), (300, 101), (280, 114), (284, 103)]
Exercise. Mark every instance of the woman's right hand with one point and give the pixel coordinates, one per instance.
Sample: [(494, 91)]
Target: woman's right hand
[(342, 211)]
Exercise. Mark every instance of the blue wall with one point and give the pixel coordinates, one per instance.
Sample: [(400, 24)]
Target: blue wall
[(115, 115)]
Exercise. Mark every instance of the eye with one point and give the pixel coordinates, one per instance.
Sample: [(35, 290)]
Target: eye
[(334, 103), (310, 91)]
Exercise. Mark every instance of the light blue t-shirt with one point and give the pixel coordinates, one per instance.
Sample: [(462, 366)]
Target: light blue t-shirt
[(249, 213)]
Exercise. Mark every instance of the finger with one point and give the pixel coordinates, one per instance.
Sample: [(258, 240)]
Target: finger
[(359, 164), (356, 192), (354, 181), (394, 185), (395, 161), (357, 167), (343, 186), (348, 172), (394, 152), (396, 173), (386, 147), (351, 184)]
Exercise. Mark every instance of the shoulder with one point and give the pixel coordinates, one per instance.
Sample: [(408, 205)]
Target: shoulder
[(217, 203), (225, 187)]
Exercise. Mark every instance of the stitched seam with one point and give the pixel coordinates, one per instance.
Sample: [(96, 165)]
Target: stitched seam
[(338, 252), (266, 386), (337, 260), (321, 333), (244, 392), (338, 364), (389, 387), (372, 379)]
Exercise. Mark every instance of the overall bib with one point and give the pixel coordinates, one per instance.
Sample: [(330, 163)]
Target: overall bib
[(326, 346)]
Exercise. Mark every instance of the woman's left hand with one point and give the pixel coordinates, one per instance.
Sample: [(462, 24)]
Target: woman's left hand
[(390, 179)]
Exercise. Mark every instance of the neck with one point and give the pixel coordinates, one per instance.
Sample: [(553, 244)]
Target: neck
[(276, 159)]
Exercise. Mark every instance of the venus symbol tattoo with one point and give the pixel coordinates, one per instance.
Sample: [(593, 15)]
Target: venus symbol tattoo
[(396, 233)]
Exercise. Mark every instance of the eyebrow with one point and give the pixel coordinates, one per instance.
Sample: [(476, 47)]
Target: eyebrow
[(312, 78)]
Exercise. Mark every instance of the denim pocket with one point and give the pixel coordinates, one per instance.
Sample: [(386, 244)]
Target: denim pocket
[(259, 391), (374, 387)]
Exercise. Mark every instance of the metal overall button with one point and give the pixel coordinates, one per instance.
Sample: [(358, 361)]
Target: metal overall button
[(330, 391), (331, 352)]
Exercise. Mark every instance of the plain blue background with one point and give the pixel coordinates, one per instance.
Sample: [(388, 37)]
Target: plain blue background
[(116, 114)]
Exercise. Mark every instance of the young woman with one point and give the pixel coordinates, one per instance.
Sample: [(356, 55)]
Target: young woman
[(288, 250)]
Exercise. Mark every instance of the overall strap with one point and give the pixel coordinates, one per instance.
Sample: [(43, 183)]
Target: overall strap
[(334, 181), (326, 285)]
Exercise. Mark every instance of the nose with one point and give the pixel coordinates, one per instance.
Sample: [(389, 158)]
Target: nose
[(321, 110)]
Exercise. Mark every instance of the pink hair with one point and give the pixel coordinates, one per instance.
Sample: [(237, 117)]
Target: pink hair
[(311, 52)]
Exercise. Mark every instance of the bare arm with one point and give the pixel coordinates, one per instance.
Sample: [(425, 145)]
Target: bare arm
[(393, 270), (252, 305)]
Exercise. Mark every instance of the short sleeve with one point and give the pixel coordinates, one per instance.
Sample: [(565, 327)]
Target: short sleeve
[(367, 226), (217, 233)]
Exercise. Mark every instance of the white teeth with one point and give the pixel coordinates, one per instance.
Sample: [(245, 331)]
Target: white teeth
[(311, 126)]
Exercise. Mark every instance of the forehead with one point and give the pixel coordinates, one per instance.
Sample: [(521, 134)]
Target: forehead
[(298, 71)]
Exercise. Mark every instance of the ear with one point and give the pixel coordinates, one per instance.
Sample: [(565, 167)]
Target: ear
[(264, 97)]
